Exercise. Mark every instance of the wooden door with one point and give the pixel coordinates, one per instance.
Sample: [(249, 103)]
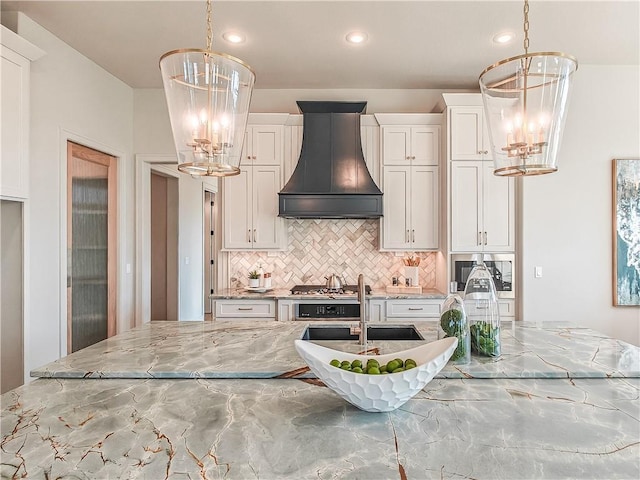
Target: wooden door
[(466, 202), (91, 246), (237, 228), (266, 223)]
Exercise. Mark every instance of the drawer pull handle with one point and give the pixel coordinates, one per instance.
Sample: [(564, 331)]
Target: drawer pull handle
[(416, 308), (245, 308)]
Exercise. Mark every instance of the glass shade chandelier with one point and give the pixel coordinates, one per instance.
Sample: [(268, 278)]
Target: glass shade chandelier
[(525, 102), (208, 96)]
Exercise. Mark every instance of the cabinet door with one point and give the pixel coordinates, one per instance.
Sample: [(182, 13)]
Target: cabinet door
[(397, 184), (396, 145), (266, 144), (424, 208), (466, 201), (425, 145), (14, 174), (237, 210), (266, 228), (498, 211), (467, 138)]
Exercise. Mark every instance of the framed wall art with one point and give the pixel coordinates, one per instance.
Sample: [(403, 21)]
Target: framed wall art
[(626, 232)]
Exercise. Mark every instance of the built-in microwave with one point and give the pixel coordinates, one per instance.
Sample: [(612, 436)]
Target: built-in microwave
[(502, 268)]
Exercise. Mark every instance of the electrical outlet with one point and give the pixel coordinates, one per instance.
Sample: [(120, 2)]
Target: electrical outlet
[(537, 272)]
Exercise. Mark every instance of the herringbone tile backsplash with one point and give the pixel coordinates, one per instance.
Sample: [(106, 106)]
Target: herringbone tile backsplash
[(322, 247)]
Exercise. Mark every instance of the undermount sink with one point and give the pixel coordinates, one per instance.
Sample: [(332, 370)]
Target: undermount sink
[(374, 332)]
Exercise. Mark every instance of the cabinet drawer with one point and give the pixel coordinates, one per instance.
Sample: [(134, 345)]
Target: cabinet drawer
[(246, 309), (413, 308)]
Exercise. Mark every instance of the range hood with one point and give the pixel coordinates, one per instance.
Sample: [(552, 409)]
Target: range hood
[(331, 179)]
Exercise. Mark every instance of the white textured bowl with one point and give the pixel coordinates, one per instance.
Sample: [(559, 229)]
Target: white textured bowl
[(378, 393)]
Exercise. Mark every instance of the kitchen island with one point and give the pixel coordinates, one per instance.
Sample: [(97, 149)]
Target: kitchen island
[(574, 411)]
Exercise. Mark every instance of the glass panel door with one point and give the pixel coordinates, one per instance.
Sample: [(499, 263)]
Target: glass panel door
[(91, 247)]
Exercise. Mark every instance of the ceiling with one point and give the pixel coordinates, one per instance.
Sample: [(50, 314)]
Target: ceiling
[(300, 44)]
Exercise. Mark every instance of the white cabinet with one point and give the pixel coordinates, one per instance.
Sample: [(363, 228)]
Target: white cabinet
[(414, 145), (263, 145), (410, 183), (16, 56), (251, 219), (250, 200), (469, 134), (418, 309), (258, 309), (482, 208), (411, 206)]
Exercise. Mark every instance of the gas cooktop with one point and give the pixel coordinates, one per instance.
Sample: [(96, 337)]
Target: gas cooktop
[(322, 290)]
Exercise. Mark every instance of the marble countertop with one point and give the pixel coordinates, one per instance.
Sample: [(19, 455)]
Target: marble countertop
[(285, 294), (264, 349), (290, 429), (547, 422)]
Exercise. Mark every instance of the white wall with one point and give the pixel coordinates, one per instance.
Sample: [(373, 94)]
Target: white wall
[(71, 97), (567, 216)]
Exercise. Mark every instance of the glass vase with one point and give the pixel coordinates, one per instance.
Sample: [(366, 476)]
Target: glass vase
[(453, 323), (481, 306)]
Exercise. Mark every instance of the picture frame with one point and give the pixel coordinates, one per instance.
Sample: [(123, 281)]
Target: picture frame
[(626, 232)]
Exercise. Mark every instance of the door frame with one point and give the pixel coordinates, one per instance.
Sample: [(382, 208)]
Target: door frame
[(121, 158), (166, 165)]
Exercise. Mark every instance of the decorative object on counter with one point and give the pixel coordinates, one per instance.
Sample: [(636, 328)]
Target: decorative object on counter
[(254, 279), (260, 275), (525, 102), (383, 392), (453, 323), (403, 289), (267, 280), (208, 96), (481, 307), (411, 275), (626, 225)]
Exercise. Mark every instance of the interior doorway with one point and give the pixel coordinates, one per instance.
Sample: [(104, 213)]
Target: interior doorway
[(164, 247), (209, 253), (91, 246), (11, 293)]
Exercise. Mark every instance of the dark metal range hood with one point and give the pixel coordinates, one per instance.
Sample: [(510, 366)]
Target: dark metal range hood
[(331, 179)]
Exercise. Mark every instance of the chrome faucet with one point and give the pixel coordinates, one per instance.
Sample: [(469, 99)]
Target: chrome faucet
[(361, 330)]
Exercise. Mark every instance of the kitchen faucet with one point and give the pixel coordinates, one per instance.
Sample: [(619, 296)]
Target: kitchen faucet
[(361, 330)]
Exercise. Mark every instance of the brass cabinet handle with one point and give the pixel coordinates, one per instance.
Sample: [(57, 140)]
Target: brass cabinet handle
[(479, 238), (413, 235), (407, 237), (249, 235), (485, 238), (255, 236)]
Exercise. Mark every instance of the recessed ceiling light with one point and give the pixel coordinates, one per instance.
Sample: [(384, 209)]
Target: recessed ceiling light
[(233, 37), (356, 37), (504, 37)]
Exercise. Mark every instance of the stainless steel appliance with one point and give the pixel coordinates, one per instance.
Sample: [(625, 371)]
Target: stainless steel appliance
[(501, 266), (327, 304)]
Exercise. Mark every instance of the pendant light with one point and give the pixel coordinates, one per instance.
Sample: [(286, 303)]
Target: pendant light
[(208, 95), (525, 101)]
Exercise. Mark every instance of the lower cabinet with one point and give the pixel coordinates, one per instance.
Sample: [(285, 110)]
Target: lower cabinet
[(412, 310), (258, 309)]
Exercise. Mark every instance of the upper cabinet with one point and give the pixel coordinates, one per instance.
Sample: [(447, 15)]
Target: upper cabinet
[(263, 145), (250, 200), (469, 134), (16, 56), (410, 181), (482, 206), (482, 209), (411, 145)]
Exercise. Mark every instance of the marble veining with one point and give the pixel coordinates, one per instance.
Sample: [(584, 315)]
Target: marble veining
[(264, 349), (289, 429), (285, 294)]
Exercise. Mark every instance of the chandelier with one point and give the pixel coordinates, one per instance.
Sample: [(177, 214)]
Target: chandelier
[(525, 101), (208, 95)]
